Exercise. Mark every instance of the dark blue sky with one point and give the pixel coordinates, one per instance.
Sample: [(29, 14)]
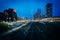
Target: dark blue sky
[(27, 8)]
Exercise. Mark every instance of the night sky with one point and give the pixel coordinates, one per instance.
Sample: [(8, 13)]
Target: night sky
[(27, 8)]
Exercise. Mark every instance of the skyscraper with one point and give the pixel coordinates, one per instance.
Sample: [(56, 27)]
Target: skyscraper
[(37, 16), (49, 10)]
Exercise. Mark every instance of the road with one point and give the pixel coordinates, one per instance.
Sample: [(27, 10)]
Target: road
[(35, 31)]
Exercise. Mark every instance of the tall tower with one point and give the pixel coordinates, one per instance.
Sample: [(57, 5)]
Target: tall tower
[(49, 10), (37, 16), (38, 13)]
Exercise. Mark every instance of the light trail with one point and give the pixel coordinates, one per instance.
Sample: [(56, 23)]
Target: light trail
[(14, 29)]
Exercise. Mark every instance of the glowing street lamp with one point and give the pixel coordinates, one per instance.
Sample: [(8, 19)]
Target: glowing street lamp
[(14, 10)]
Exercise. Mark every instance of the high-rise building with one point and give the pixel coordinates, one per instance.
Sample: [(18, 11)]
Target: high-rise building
[(10, 15), (49, 10), (6, 15), (43, 16), (1, 16), (37, 16)]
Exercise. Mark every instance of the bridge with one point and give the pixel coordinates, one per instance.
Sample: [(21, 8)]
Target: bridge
[(42, 20)]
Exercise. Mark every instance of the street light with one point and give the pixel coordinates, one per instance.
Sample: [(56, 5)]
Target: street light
[(14, 10)]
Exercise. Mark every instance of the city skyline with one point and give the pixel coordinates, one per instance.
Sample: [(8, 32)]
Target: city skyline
[(25, 8)]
